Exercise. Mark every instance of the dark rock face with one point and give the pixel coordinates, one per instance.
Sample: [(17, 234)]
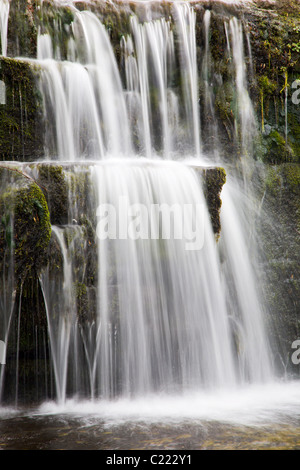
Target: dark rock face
[(214, 179), (278, 226)]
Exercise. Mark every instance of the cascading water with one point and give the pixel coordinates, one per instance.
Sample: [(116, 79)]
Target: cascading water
[(246, 124), (158, 327), (78, 93), (186, 21), (4, 15), (7, 285), (166, 318), (147, 72)]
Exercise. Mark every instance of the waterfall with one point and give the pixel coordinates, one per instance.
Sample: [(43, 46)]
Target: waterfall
[(144, 117), (245, 306), (154, 46), (208, 79), (169, 328), (245, 121), (61, 317), (7, 283), (4, 15), (157, 327), (186, 21), (77, 93), (169, 314)]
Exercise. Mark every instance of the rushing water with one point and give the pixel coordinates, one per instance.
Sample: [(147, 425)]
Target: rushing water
[(158, 326), (178, 329), (4, 15)]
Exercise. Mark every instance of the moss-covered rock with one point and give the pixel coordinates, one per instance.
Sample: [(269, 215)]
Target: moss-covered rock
[(32, 230), (21, 115), (25, 223), (55, 188), (214, 180), (86, 303)]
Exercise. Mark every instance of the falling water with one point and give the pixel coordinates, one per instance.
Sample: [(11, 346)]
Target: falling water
[(208, 79), (77, 93), (245, 120), (167, 318), (186, 21), (4, 15), (149, 71), (7, 283), (60, 325), (245, 307), (145, 116), (169, 331)]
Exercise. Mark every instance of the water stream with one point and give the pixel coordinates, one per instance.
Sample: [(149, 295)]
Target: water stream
[(4, 15)]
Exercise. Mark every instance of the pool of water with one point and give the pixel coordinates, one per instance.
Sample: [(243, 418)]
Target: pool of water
[(264, 417)]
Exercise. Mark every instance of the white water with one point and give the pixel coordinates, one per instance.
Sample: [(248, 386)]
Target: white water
[(252, 405), (245, 119), (173, 329), (60, 297), (4, 15), (245, 306), (94, 117), (8, 294), (186, 21), (154, 45), (77, 93)]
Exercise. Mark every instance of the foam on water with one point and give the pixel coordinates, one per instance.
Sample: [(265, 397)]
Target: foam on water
[(275, 402)]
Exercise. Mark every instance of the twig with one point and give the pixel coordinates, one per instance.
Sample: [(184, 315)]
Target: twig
[(23, 174)]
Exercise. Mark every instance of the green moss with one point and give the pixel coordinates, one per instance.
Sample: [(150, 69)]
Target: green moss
[(273, 180), (21, 122), (22, 29), (291, 174), (225, 104), (55, 186), (85, 303), (294, 127), (32, 231), (81, 301), (55, 20), (275, 148)]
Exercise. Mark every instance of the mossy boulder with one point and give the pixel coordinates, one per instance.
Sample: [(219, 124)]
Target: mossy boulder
[(32, 230), (55, 189), (213, 182)]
